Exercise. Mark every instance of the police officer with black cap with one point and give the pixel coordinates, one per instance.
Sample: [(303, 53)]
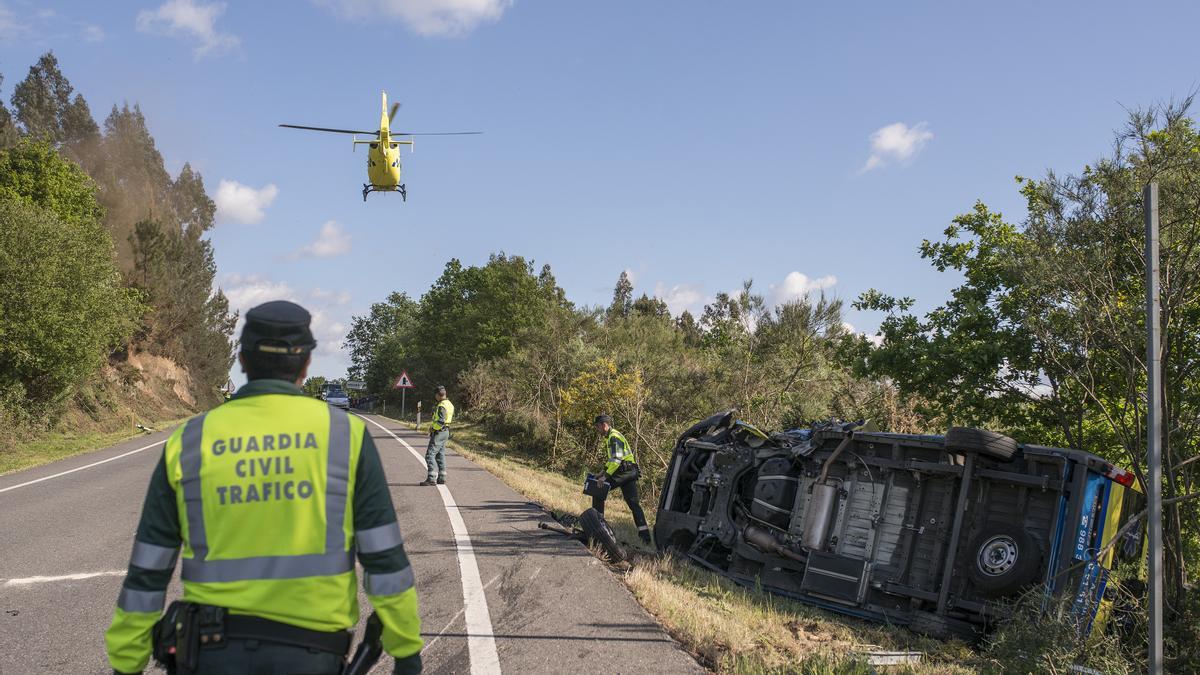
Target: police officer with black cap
[(620, 471), (256, 492)]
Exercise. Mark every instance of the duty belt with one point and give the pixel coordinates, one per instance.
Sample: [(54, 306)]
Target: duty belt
[(187, 627), (242, 627)]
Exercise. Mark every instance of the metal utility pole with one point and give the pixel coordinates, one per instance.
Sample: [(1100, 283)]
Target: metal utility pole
[(1154, 429)]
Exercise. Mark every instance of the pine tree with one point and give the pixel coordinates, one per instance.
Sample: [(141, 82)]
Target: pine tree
[(622, 302)]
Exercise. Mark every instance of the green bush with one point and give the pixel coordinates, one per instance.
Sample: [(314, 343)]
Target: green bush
[(62, 305)]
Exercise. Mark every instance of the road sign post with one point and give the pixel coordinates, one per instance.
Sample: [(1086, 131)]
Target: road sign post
[(1154, 563), (403, 383)]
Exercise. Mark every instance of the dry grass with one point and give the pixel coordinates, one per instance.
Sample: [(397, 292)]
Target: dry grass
[(60, 445), (730, 629)]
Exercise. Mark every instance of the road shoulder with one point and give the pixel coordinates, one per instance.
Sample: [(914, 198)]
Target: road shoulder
[(554, 607)]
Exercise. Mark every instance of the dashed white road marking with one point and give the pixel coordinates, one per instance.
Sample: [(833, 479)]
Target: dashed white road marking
[(27, 581), (481, 642), (81, 468)]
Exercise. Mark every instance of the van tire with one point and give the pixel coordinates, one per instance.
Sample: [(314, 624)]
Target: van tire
[(1003, 559), (981, 441), (600, 534), (944, 627)]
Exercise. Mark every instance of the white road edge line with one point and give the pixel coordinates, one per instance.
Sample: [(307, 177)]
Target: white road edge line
[(65, 577), (481, 641), (452, 621), (81, 468)]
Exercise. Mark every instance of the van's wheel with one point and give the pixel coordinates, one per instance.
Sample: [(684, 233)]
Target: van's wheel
[(1004, 559), (944, 627), (598, 532), (982, 441)]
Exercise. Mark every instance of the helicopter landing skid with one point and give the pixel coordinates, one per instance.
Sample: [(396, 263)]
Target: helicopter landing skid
[(368, 189)]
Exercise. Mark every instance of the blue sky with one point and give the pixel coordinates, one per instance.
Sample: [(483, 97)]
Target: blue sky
[(693, 144)]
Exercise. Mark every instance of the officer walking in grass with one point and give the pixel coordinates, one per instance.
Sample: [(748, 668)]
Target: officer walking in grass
[(621, 471), (272, 496), (439, 433)]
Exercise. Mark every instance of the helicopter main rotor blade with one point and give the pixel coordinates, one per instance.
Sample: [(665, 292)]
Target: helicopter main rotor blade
[(439, 133), (332, 131)]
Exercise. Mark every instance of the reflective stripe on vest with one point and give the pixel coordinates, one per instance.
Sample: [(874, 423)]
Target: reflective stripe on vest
[(151, 557), (392, 583), (131, 600), (614, 454), (335, 559)]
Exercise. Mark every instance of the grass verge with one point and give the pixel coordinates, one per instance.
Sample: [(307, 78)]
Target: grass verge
[(59, 445), (730, 629)]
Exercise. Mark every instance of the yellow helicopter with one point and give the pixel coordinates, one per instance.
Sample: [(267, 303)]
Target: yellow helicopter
[(383, 157)]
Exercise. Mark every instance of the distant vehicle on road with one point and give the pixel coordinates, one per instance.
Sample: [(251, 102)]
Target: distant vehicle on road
[(334, 395), (928, 531)]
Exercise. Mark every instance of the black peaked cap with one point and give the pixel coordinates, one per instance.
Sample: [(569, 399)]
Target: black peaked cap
[(278, 327)]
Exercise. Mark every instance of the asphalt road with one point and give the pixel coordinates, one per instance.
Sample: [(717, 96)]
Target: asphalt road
[(496, 593)]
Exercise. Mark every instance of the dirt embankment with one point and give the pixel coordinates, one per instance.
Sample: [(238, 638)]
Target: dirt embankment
[(140, 388)]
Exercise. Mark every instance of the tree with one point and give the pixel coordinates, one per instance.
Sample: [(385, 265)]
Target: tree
[(8, 132), (187, 320), (648, 306), (313, 385), (63, 304), (472, 314), (134, 183), (46, 110), (32, 172), (190, 202), (687, 324), (622, 300), (377, 342)]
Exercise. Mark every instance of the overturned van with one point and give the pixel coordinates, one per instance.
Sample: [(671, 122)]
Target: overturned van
[(935, 532)]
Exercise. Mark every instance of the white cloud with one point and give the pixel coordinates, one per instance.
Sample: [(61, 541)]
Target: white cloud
[(333, 240), (426, 17), (897, 143), (797, 286), (193, 19), (246, 291), (92, 33), (334, 297), (237, 203), (11, 28), (680, 297)]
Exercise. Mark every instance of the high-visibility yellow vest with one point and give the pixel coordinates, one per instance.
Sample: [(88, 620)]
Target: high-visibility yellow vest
[(618, 451), (263, 488), (443, 415)]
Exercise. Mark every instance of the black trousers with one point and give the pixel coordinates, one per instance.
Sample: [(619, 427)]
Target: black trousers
[(630, 492)]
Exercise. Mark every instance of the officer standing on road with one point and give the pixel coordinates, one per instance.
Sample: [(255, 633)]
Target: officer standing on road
[(621, 471), (439, 433), (271, 495)]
